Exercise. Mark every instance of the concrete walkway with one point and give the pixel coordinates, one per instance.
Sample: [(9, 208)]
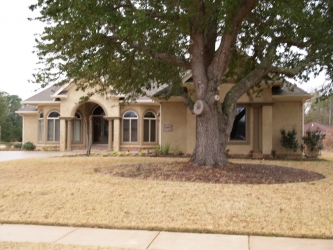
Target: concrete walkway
[(138, 239)]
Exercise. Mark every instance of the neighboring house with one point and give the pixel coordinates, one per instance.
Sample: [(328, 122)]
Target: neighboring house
[(313, 126), (327, 130), (55, 118)]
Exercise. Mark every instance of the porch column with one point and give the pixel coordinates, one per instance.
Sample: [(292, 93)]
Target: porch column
[(256, 130), (267, 126), (69, 135), (63, 134), (109, 119), (116, 134)]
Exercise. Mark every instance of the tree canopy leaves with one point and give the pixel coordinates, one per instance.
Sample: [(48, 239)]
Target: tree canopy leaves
[(10, 122), (132, 44)]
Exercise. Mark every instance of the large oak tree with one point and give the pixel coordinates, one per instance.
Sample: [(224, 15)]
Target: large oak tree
[(133, 45)]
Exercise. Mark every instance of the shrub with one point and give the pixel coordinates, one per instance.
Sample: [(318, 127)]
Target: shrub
[(157, 150), (313, 142), (176, 151), (142, 153), (17, 145), (28, 146), (165, 149), (288, 140)]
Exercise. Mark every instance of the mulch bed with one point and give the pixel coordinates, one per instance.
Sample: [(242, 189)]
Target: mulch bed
[(230, 174)]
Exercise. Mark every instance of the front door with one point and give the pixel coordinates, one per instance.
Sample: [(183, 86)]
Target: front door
[(100, 130)]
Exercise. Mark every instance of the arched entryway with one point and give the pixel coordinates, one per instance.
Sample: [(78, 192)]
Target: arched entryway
[(100, 126)]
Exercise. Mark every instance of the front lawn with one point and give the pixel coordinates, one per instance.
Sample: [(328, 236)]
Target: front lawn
[(69, 191)]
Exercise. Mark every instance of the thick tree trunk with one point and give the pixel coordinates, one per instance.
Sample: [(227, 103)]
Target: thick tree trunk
[(213, 130)]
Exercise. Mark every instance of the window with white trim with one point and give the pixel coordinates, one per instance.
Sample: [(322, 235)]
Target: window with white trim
[(149, 127), (53, 126), (76, 127), (41, 127), (130, 127)]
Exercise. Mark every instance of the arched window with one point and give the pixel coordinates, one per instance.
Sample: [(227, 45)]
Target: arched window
[(40, 127), (149, 127), (130, 127), (53, 126), (76, 127)]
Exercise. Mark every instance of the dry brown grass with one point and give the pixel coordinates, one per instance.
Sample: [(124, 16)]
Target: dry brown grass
[(43, 246), (66, 191)]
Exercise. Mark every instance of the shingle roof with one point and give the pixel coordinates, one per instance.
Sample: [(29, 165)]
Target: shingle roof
[(285, 91), (45, 95), (28, 108)]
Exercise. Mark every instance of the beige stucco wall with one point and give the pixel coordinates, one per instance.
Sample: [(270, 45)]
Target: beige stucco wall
[(264, 96), (30, 128), (175, 114), (71, 104), (286, 115), (191, 131)]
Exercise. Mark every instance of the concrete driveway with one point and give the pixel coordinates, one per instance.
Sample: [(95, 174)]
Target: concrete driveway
[(15, 155)]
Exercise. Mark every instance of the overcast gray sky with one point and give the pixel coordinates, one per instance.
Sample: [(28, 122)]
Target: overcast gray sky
[(16, 45)]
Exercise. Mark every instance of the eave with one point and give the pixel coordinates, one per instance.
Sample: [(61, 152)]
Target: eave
[(41, 102), (26, 112)]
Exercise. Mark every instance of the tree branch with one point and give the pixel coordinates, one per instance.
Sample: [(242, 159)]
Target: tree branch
[(290, 72), (291, 42), (249, 80), (224, 53), (159, 56), (162, 56)]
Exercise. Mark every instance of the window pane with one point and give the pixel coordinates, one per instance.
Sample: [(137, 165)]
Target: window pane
[(130, 114), (77, 130), (50, 124), (54, 114), (57, 130), (98, 111), (149, 115), (106, 131), (146, 131), (134, 130), (126, 130), (153, 131), (239, 127)]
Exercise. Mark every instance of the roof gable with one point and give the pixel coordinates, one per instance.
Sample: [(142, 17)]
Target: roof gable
[(44, 96)]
